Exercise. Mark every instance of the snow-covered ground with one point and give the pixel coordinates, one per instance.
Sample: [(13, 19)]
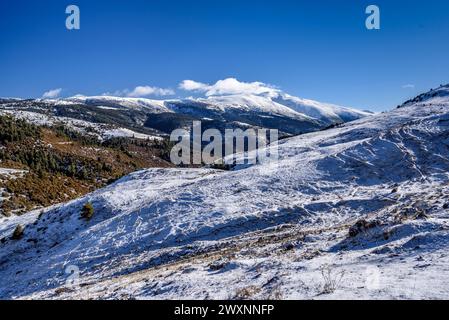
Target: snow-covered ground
[(100, 130), (276, 230)]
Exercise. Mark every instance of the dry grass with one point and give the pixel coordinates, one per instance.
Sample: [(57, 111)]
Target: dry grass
[(247, 292)]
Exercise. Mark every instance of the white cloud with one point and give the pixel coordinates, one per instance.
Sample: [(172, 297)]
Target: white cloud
[(229, 86), (408, 86), (190, 85), (142, 91), (52, 94)]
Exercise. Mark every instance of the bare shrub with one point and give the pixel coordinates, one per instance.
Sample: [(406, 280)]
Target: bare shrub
[(331, 279)]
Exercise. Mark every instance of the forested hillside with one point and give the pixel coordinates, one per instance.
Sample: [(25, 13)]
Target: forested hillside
[(57, 163)]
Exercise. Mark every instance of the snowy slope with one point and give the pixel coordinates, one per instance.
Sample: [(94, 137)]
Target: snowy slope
[(328, 113), (152, 106), (439, 95), (99, 130), (252, 103), (277, 230)]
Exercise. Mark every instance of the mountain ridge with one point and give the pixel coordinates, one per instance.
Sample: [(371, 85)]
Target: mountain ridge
[(275, 104), (290, 115)]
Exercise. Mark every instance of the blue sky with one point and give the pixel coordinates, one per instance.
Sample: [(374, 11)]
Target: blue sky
[(313, 49)]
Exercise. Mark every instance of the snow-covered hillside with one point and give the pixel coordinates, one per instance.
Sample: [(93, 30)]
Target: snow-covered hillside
[(288, 114), (243, 103), (152, 106), (356, 211), (439, 95), (102, 131), (328, 113)]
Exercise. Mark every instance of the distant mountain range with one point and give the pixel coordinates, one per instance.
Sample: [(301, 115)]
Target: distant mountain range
[(290, 115)]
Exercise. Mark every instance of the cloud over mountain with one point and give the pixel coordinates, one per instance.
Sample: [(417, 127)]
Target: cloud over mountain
[(142, 91), (51, 94), (229, 86)]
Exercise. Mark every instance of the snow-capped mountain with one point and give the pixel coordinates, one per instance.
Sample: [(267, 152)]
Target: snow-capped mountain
[(306, 113), (282, 104), (357, 211), (288, 114)]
